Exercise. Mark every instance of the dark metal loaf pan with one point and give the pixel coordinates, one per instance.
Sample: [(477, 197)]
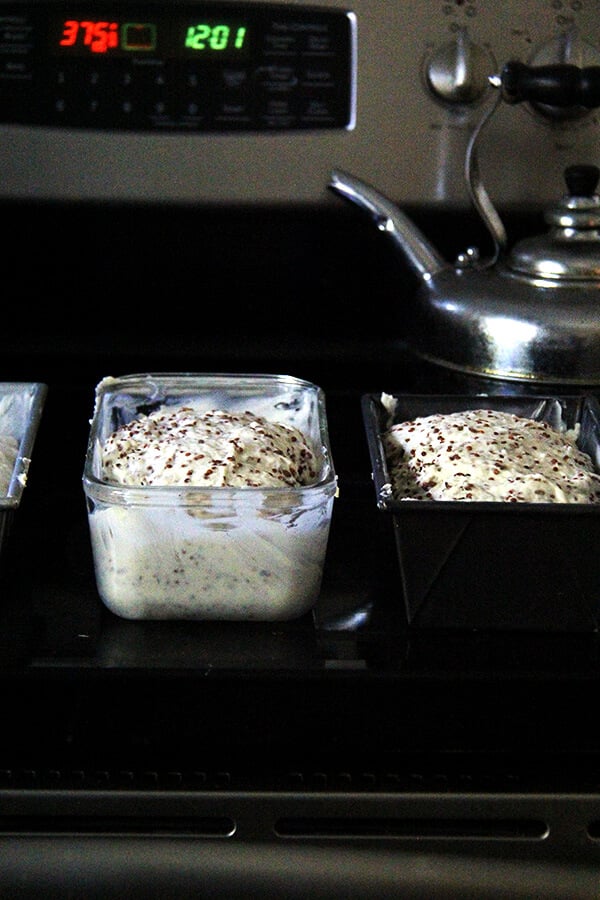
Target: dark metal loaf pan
[(493, 565)]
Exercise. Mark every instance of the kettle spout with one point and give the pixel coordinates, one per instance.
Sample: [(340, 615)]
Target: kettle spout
[(423, 258)]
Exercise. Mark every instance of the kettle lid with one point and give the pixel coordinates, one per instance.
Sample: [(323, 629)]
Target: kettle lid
[(570, 251)]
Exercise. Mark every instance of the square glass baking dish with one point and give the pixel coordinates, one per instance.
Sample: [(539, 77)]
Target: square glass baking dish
[(21, 406), (492, 565), (220, 553)]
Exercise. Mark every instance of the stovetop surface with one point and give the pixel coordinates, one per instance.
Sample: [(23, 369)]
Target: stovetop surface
[(352, 678), (53, 616)]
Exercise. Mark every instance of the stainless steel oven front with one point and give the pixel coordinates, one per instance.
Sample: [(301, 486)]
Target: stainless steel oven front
[(254, 102)]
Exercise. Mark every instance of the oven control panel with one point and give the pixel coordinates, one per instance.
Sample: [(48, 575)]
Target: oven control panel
[(255, 102), (200, 67)]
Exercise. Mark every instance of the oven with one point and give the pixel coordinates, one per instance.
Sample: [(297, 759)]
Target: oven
[(165, 187)]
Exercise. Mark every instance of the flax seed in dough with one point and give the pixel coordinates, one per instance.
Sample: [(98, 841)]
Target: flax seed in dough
[(217, 448), (483, 455)]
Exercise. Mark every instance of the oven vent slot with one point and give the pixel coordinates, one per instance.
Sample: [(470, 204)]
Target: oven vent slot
[(155, 825), (415, 828)]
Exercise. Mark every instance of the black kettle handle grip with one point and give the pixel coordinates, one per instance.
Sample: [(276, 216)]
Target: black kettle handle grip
[(554, 85)]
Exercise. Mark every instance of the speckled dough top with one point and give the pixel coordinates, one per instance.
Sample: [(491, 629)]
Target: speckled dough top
[(484, 455), (180, 446)]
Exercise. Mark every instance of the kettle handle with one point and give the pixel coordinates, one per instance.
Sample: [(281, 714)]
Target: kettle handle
[(479, 196), (559, 85)]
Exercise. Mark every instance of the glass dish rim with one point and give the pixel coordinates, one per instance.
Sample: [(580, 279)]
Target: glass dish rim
[(37, 391), (164, 495)]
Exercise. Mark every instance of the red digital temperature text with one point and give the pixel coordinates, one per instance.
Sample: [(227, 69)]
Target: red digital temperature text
[(98, 37)]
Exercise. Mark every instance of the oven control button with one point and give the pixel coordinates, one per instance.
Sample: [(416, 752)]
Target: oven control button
[(457, 73)]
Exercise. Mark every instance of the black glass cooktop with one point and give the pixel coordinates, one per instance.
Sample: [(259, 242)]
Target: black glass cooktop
[(89, 695)]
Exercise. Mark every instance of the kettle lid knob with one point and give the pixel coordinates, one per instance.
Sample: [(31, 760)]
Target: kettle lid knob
[(582, 180), (570, 251), (578, 213)]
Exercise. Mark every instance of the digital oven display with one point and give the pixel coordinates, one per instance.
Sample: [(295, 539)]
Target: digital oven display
[(222, 37), (183, 66)]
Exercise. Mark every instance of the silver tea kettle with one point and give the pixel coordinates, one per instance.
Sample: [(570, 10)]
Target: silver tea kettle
[(531, 315)]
